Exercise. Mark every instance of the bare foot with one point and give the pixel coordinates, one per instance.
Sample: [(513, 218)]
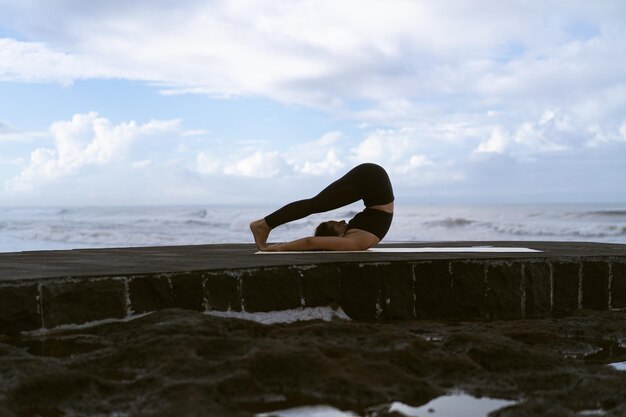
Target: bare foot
[(260, 231)]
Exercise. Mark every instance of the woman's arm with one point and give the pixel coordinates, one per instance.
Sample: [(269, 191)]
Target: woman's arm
[(354, 242)]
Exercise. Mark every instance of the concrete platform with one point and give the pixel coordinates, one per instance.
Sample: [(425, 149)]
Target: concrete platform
[(52, 288)]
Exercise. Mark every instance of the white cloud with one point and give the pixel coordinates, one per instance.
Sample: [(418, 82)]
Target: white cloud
[(258, 165), (320, 157), (432, 84), (414, 163), (400, 151), (325, 52), (36, 62), (602, 136), (194, 132), (496, 143), (11, 134), (532, 137), (329, 165), (387, 147), (85, 140), (317, 157), (453, 72), (551, 133), (207, 163)]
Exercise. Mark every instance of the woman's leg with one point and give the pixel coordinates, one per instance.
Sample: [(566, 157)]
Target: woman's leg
[(338, 194), (346, 190)]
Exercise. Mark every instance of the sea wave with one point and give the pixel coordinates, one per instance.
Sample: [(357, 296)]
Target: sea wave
[(37, 228), (451, 222), (608, 213), (602, 231)]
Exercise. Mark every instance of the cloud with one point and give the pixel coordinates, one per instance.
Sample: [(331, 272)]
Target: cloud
[(391, 148), (258, 165), (328, 156), (436, 87), (470, 79), (11, 134), (85, 140), (36, 62), (194, 132), (554, 131), (400, 151), (417, 161), (207, 163), (23, 137), (496, 143), (329, 165), (600, 136), (325, 53), (320, 157)]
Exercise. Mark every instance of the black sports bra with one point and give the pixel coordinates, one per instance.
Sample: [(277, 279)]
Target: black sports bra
[(373, 221)]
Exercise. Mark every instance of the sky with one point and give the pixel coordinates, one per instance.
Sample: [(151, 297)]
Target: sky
[(151, 102)]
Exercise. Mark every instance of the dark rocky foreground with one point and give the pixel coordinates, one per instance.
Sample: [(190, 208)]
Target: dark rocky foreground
[(184, 363)]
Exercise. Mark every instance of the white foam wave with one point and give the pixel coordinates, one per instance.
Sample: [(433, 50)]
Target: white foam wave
[(285, 316), (620, 366), (82, 326), (451, 405), (44, 228)]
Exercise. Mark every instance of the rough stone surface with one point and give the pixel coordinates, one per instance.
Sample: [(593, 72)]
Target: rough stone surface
[(361, 287), (504, 294), (468, 289), (398, 292), (19, 308), (185, 363), (433, 290), (566, 280), (78, 302), (150, 293), (188, 290), (269, 289), (537, 287), (223, 292), (595, 294), (618, 285), (320, 286)]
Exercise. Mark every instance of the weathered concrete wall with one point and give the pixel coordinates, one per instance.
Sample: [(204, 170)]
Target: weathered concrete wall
[(396, 290)]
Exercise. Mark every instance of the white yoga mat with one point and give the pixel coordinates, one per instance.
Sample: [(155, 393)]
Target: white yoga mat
[(468, 249)]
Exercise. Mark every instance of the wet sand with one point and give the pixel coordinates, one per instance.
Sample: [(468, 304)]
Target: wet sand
[(184, 363)]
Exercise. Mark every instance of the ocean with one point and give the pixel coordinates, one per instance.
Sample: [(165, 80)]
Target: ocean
[(55, 228)]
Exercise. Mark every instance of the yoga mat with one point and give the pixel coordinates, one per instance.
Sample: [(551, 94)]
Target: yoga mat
[(468, 249)]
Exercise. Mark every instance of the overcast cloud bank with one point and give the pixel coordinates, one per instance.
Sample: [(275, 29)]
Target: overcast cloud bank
[(519, 100)]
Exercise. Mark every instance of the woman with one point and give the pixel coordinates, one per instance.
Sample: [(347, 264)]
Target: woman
[(367, 182)]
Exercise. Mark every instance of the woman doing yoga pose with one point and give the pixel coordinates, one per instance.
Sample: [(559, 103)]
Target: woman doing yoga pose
[(367, 182)]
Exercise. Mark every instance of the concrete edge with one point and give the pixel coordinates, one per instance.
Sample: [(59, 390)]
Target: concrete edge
[(371, 291)]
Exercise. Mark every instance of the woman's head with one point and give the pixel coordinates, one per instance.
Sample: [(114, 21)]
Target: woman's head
[(331, 228)]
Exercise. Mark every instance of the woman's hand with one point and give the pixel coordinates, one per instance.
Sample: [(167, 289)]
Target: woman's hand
[(271, 248), (360, 240)]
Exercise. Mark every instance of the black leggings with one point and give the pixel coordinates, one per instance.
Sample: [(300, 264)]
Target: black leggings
[(367, 182)]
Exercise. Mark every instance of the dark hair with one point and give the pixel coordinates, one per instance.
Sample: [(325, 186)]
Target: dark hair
[(325, 230)]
